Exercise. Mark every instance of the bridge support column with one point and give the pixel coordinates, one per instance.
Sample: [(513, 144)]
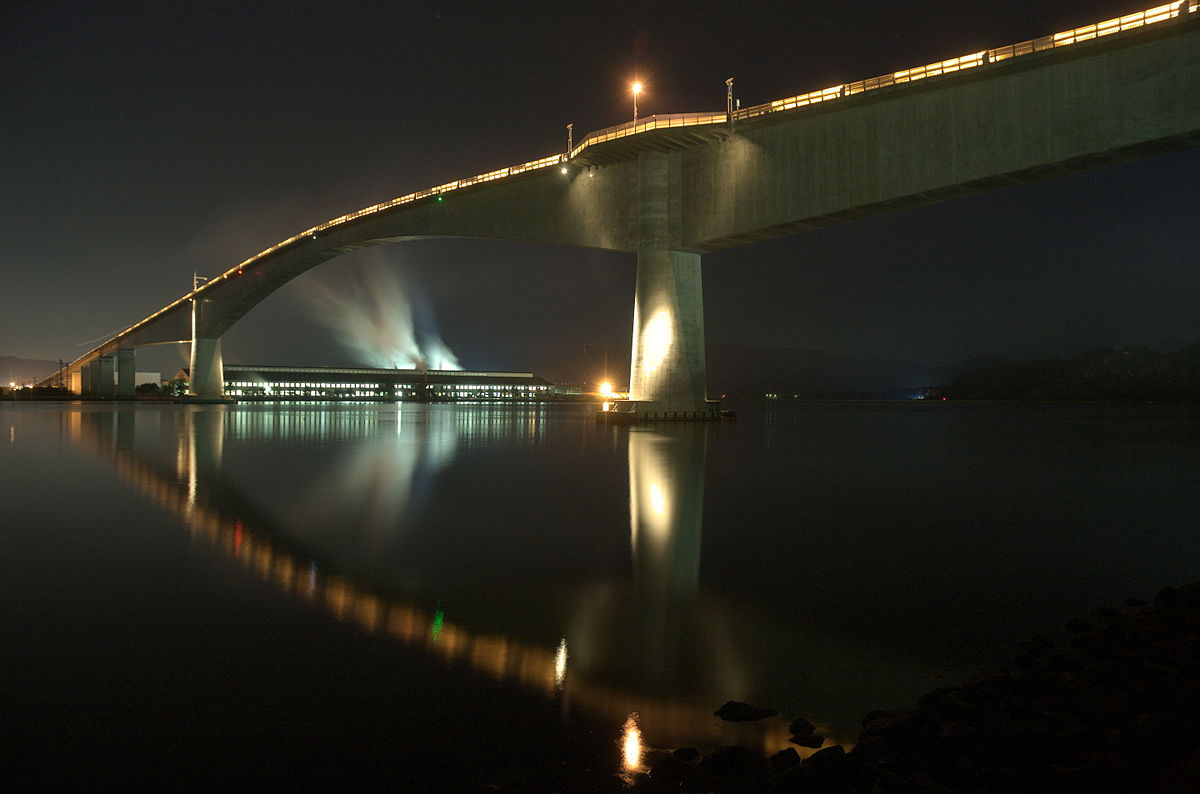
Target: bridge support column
[(207, 369), (126, 372), (102, 381), (667, 376)]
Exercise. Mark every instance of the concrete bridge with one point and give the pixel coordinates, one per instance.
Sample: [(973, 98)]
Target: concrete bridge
[(669, 188)]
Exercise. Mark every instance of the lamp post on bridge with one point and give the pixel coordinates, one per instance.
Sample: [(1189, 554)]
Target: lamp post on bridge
[(729, 101), (637, 89)]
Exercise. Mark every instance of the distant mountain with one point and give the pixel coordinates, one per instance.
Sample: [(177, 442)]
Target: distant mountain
[(742, 370), (24, 370), (1103, 374)]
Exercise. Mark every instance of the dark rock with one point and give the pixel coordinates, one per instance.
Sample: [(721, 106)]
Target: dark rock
[(830, 756), (728, 761), (686, 754), (802, 727), (1037, 646), (734, 711), (1134, 602), (812, 740), (1079, 626), (785, 758), (883, 715), (668, 769)]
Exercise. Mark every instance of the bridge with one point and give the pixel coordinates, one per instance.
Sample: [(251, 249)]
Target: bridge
[(669, 188)]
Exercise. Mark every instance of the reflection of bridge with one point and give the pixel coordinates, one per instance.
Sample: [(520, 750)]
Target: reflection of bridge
[(670, 188), (665, 528)]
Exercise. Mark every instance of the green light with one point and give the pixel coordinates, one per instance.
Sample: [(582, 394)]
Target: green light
[(439, 198), (439, 615)]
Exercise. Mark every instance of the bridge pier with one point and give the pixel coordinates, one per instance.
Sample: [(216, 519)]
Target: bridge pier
[(126, 372), (667, 376), (207, 369), (100, 377)]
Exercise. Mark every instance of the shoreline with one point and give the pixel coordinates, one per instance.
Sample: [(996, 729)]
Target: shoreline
[(1116, 707)]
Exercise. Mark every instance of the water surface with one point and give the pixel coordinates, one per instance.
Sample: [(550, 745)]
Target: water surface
[(452, 595)]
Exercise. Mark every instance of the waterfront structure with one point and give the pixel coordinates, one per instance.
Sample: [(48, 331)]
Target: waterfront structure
[(262, 383), (669, 188)]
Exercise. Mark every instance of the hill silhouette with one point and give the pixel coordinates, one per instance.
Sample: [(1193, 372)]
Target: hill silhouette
[(1132, 374)]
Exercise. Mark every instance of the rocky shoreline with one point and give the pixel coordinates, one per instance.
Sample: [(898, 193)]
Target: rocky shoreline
[(1115, 708)]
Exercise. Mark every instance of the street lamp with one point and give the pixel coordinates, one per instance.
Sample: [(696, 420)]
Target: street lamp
[(637, 89)]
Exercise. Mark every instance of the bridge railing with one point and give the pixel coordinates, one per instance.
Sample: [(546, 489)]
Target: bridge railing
[(658, 122), (1149, 16)]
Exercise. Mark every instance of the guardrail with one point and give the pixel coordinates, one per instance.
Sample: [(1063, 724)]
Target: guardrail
[(660, 122)]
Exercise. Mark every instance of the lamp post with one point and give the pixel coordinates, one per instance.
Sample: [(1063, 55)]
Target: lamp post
[(729, 101), (637, 89)]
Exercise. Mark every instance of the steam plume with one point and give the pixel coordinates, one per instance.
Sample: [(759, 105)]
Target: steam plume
[(371, 310)]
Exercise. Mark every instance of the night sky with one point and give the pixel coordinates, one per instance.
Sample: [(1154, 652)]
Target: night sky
[(145, 141)]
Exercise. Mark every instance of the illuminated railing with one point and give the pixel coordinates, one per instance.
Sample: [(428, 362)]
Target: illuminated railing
[(1150, 16), (647, 124)]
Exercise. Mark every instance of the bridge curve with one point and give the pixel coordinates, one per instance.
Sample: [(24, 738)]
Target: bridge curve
[(672, 187)]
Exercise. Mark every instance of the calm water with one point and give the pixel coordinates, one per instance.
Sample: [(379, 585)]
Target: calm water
[(439, 597)]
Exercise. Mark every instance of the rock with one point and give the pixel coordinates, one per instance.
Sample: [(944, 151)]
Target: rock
[(728, 761), (812, 740), (734, 711), (1079, 626), (1134, 602), (686, 754), (827, 758), (669, 770), (785, 758), (802, 727)]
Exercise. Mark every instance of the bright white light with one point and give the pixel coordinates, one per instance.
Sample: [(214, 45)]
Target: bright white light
[(562, 170), (636, 88), (631, 745), (656, 341), (658, 502), (560, 664), (605, 390)]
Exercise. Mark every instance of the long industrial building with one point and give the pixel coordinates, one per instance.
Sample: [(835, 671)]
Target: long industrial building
[(245, 382)]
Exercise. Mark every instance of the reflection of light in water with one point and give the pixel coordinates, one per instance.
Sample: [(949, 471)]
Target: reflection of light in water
[(312, 577), (657, 503), (631, 745), (652, 490), (439, 617), (656, 341), (560, 664)]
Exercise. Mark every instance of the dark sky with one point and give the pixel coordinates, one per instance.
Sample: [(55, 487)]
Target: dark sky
[(145, 141)]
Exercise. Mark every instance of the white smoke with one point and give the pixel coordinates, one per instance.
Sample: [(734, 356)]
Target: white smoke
[(370, 309)]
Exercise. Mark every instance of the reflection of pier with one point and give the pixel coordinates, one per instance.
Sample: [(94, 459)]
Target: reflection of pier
[(593, 668)]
